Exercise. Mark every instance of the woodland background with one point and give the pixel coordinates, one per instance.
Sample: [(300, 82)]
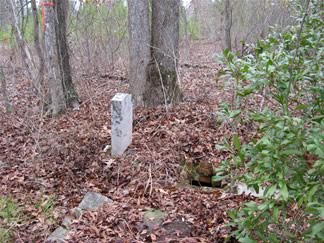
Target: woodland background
[(236, 57)]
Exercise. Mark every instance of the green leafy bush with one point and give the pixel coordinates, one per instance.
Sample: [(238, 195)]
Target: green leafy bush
[(287, 158)]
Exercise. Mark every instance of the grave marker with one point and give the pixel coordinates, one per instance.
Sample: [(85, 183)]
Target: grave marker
[(121, 123)]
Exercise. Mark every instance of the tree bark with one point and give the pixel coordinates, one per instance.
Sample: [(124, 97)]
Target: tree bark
[(162, 85), (183, 13), (70, 95), (25, 51), (4, 91), (37, 44), (228, 25), (5, 15), (139, 48), (54, 78)]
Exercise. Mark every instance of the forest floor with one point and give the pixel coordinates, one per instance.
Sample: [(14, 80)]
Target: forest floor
[(47, 165)]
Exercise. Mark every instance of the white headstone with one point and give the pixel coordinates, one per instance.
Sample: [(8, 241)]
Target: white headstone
[(121, 123)]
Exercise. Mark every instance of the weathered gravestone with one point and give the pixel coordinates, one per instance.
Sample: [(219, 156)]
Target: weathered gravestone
[(121, 123)]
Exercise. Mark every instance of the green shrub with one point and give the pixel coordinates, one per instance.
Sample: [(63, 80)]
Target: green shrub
[(287, 158)]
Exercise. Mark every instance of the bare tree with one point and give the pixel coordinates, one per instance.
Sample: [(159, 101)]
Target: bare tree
[(26, 54), (70, 95), (161, 78), (54, 78), (99, 34), (228, 24), (162, 83), (61, 88), (4, 15), (38, 47), (139, 47), (4, 91)]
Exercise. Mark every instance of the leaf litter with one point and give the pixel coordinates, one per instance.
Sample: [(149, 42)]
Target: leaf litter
[(69, 156)]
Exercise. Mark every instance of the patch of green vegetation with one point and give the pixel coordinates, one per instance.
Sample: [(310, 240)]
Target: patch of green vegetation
[(46, 206), (194, 29), (5, 36), (10, 213), (287, 156), (9, 210), (27, 30), (5, 235), (191, 27)]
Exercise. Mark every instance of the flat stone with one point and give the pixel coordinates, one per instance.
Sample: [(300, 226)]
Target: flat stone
[(59, 235), (77, 212), (121, 123), (154, 216), (67, 221), (175, 229), (2, 164), (153, 220), (93, 200)]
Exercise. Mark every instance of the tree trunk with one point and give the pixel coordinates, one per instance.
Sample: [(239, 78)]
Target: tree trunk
[(25, 52), (5, 16), (183, 13), (162, 85), (71, 97), (228, 25), (139, 47), (54, 77), (37, 43), (4, 91)]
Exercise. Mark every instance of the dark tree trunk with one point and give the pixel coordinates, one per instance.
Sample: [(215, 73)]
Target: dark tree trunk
[(4, 91), (37, 44), (228, 25), (70, 95), (162, 86)]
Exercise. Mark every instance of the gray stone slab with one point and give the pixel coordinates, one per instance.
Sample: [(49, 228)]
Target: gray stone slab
[(2, 164), (59, 235), (121, 123), (93, 200), (67, 221)]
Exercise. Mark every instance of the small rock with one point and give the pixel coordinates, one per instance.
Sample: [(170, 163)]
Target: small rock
[(2, 164), (77, 212), (67, 221), (59, 235), (154, 216), (93, 200)]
